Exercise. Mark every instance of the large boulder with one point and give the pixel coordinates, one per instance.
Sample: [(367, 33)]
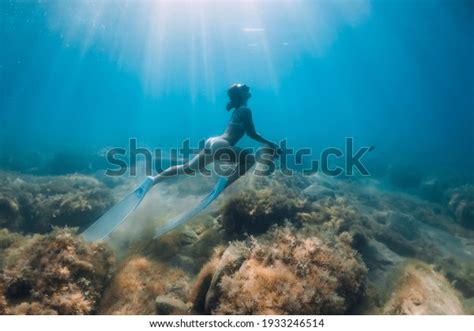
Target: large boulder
[(136, 285), (420, 290), (283, 272), (56, 273)]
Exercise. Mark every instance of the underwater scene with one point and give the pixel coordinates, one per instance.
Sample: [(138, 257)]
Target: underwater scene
[(237, 157)]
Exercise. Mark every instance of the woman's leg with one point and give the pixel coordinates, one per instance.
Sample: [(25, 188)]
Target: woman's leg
[(216, 149), (196, 164), (246, 160)]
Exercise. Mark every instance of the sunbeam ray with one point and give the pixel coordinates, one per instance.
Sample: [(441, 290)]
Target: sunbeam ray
[(173, 45)]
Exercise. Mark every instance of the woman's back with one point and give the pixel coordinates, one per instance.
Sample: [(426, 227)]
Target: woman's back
[(236, 127)]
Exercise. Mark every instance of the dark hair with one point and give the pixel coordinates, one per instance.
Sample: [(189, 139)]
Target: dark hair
[(235, 95)]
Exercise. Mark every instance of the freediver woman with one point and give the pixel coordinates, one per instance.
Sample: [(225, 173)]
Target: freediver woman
[(219, 148), (222, 148)]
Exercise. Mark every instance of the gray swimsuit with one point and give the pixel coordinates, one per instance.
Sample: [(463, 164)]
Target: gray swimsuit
[(235, 130)]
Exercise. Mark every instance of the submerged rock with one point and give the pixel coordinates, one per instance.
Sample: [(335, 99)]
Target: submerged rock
[(460, 273), (229, 263), (34, 204), (283, 272), (166, 305), (9, 210), (203, 281), (317, 191), (56, 273), (422, 291), (303, 247), (255, 210), (461, 203), (136, 285), (403, 224)]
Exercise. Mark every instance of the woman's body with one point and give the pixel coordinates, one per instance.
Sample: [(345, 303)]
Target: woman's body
[(222, 148), (216, 148)]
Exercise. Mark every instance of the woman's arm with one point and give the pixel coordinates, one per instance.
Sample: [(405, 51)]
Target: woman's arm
[(252, 133)]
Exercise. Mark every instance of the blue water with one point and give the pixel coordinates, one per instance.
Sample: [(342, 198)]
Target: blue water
[(395, 74)]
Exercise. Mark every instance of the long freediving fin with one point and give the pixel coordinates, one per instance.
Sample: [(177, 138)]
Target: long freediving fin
[(108, 222), (186, 216)]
